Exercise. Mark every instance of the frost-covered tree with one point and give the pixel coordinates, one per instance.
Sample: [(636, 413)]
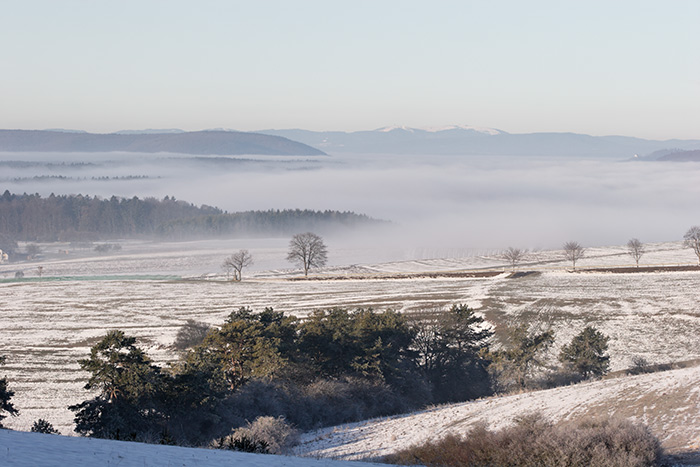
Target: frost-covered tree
[(691, 239), (308, 251), (236, 262), (573, 251), (514, 256), (635, 249)]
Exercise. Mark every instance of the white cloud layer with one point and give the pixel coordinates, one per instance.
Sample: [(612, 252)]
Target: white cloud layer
[(451, 202)]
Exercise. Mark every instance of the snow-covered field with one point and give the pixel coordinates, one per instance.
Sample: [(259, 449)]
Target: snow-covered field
[(48, 323)]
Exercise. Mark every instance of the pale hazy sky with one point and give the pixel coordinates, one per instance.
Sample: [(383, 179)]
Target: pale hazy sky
[(597, 67)]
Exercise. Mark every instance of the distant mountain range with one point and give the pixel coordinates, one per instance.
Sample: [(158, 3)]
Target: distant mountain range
[(464, 140), (452, 140), (218, 143)]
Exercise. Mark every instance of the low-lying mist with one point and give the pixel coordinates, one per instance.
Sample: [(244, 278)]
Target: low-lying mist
[(438, 204)]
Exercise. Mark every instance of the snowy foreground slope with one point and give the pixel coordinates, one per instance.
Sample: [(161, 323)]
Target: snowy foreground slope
[(22, 449), (667, 402)]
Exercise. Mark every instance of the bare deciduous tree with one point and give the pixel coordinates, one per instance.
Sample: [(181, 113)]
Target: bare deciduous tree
[(514, 256), (308, 251), (691, 239), (236, 262), (635, 249), (573, 251)]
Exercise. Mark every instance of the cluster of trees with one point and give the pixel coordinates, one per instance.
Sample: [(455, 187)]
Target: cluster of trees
[(334, 366), (75, 217), (573, 251), (522, 362), (306, 250)]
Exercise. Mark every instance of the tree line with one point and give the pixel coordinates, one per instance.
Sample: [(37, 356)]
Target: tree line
[(574, 251), (31, 217)]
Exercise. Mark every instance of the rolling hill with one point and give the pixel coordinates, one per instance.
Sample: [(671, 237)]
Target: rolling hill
[(214, 143), (667, 402)]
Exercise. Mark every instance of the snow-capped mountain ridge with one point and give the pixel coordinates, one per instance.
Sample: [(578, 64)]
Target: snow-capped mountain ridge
[(478, 129)]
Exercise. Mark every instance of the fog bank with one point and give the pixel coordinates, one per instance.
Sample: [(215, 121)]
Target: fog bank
[(437, 203)]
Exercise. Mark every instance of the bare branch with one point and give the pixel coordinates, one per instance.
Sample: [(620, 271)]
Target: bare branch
[(691, 239), (236, 262), (514, 256), (308, 251), (635, 249), (573, 251)]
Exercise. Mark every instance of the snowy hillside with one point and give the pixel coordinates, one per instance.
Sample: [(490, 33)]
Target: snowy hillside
[(19, 449), (668, 402)]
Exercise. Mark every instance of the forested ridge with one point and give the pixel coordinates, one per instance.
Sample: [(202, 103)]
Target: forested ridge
[(31, 217), (211, 142)]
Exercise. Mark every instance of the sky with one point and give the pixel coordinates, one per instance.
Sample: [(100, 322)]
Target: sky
[(597, 67)]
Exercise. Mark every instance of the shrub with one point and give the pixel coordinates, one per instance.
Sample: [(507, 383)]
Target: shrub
[(43, 426), (242, 443), (641, 365), (332, 402), (265, 435), (322, 403), (534, 441), (190, 334)]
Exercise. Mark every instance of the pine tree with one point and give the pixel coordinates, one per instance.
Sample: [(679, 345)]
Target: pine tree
[(130, 389), (586, 354)]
